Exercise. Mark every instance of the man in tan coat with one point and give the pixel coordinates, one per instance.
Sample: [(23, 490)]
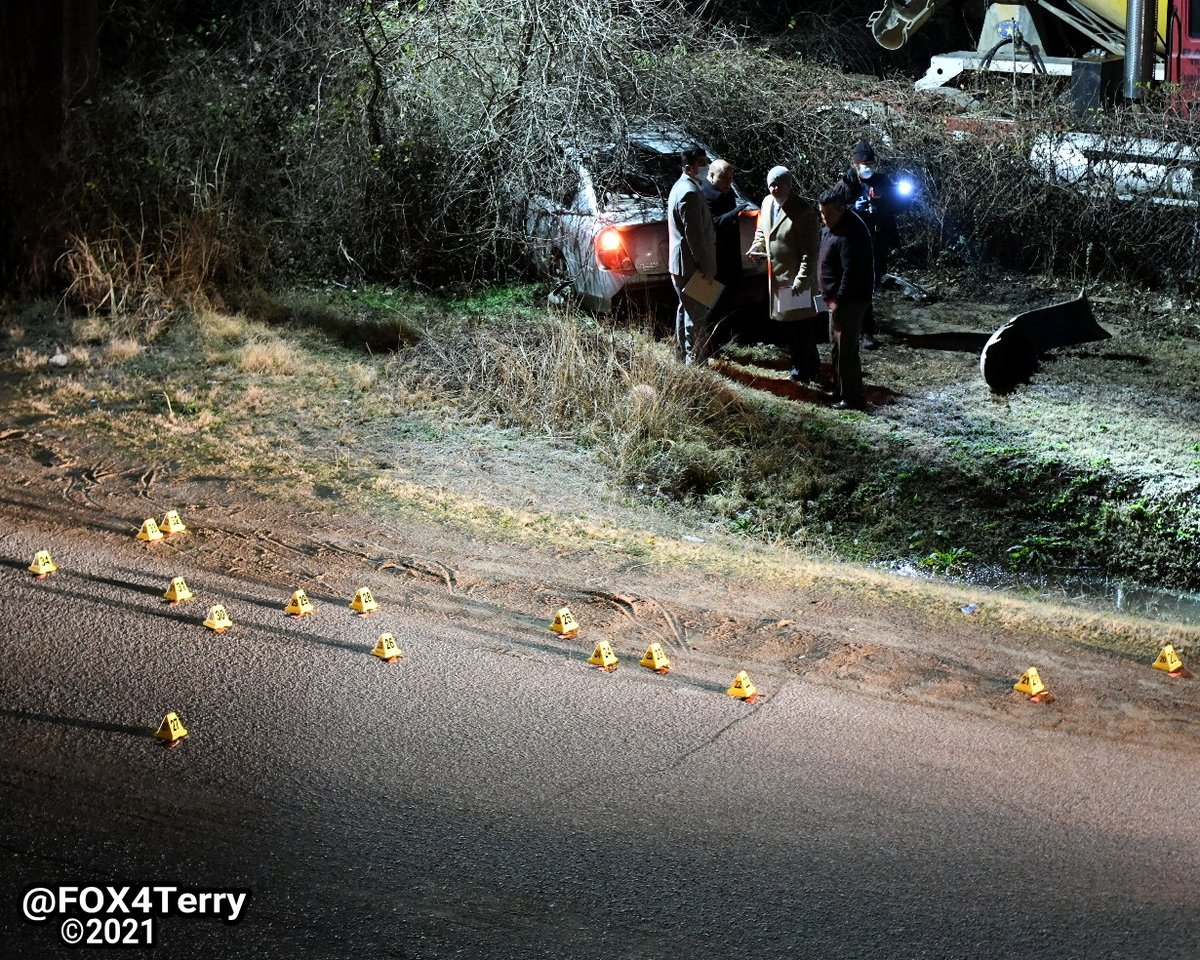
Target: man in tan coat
[(788, 236)]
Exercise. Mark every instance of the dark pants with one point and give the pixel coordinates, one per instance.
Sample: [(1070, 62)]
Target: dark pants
[(725, 318), (800, 339), (691, 335), (881, 266), (845, 324)]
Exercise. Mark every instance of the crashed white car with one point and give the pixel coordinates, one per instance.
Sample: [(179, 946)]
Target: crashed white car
[(603, 231), (1122, 167)]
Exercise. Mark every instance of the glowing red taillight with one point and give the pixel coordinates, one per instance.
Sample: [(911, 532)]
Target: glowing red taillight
[(610, 251)]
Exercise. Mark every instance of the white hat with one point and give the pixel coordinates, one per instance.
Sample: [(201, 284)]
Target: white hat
[(778, 173)]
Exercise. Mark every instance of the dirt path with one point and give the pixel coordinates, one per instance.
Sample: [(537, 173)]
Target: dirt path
[(845, 627)]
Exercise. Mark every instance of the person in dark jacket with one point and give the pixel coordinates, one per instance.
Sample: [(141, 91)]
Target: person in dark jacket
[(872, 195), (846, 273), (726, 206), (691, 250)]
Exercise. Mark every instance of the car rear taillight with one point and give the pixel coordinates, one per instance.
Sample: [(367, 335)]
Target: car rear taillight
[(610, 251)]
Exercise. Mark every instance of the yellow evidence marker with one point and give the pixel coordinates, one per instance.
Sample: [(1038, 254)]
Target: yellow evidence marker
[(171, 731), (743, 688), (1031, 684), (149, 531), (655, 659), (603, 657), (299, 605), (178, 591), (42, 565), (386, 649), (565, 623), (218, 620), (172, 524), (363, 602), (1169, 661)]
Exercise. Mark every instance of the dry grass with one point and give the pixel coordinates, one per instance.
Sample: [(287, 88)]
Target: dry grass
[(257, 398), (122, 350), (89, 329), (360, 376), (70, 391), (221, 327), (563, 376), (27, 359), (268, 357)]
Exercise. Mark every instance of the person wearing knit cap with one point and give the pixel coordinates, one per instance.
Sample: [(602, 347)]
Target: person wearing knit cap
[(871, 194), (788, 239)]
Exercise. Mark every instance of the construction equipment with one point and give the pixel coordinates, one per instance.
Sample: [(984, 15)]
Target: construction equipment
[(1156, 39)]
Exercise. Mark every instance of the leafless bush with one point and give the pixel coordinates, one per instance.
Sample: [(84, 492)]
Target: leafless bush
[(984, 199), (390, 140)]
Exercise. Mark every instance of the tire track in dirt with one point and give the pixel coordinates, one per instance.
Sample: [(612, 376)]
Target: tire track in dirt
[(147, 478), (434, 569), (627, 606)]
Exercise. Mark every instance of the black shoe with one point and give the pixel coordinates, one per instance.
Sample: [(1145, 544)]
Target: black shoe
[(870, 343), (847, 405)]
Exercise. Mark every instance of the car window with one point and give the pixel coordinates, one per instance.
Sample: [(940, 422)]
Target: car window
[(634, 171)]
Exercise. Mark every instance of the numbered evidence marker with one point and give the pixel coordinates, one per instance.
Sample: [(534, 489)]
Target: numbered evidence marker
[(386, 649), (171, 731), (42, 565), (1031, 684), (1169, 661), (218, 620), (299, 605), (743, 688), (363, 602), (172, 524), (178, 591), (149, 531), (564, 622), (655, 659), (603, 657)]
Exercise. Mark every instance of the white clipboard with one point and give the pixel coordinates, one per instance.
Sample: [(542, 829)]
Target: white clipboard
[(704, 290), (788, 299)]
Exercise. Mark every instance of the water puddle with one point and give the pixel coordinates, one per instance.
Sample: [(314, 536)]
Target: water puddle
[(1098, 594)]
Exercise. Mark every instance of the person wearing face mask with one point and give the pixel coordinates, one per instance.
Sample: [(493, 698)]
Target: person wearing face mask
[(788, 239), (871, 194), (691, 249)]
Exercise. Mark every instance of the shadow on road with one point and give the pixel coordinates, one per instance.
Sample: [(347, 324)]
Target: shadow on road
[(80, 722)]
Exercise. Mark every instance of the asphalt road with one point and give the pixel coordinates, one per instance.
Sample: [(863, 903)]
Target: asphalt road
[(493, 796)]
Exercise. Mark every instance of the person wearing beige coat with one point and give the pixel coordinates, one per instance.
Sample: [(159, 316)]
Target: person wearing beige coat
[(788, 237)]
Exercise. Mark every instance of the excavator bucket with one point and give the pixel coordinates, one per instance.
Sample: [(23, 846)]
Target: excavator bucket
[(892, 24), (1011, 355)]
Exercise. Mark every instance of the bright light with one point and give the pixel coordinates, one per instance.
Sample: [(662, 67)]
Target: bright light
[(905, 187), (609, 240), (610, 251)]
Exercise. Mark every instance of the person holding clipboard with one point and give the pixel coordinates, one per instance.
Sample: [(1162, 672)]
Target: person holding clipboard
[(788, 238), (691, 257)]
